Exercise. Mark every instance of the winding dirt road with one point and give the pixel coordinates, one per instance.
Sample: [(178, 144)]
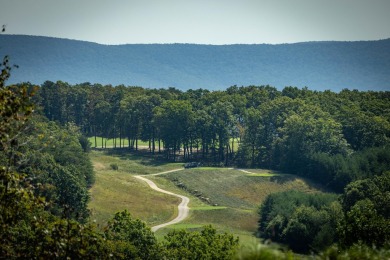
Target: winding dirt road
[(183, 208)]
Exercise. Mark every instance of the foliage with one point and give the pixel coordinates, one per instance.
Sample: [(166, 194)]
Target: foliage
[(54, 159), (85, 143), (260, 251), (114, 166), (336, 171), (356, 251), (311, 217), (174, 119), (130, 238), (27, 231), (206, 244), (366, 206)]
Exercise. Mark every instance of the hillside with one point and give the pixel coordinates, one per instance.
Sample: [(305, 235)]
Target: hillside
[(363, 65), (238, 194)]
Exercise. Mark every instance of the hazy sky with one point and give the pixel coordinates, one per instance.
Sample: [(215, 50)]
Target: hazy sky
[(199, 21)]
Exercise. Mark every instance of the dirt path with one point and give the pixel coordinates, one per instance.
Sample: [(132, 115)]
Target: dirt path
[(183, 208)]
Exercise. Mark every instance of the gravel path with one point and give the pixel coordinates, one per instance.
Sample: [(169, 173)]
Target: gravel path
[(183, 208)]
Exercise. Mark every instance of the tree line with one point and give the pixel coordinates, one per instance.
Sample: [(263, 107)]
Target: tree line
[(333, 138)]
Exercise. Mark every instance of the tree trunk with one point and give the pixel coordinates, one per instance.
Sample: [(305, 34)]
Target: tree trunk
[(227, 154), (153, 142), (120, 137), (95, 138), (174, 151), (129, 140), (253, 155), (232, 151)]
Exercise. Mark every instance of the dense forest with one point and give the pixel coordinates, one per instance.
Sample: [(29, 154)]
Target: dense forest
[(339, 140), (332, 138)]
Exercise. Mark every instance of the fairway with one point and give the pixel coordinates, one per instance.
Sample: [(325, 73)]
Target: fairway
[(236, 195), (116, 190), (226, 198)]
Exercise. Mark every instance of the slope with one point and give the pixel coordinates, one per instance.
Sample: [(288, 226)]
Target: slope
[(361, 65)]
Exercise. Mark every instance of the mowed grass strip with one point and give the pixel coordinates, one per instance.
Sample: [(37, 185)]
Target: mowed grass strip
[(114, 191), (235, 189), (260, 172), (237, 195)]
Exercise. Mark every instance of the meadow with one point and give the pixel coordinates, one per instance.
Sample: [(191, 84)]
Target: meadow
[(115, 190), (226, 198)]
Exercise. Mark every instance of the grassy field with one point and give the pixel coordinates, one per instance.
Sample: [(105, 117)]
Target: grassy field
[(230, 202), (237, 194), (116, 190)]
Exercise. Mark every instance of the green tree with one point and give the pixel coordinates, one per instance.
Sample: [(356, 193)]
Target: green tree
[(130, 238), (366, 206), (250, 148), (26, 230), (313, 218), (222, 124), (174, 119), (304, 134), (206, 244)]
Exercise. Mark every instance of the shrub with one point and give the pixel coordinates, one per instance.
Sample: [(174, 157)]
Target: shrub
[(114, 166)]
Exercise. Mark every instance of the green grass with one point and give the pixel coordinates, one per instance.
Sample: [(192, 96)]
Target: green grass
[(261, 173), (232, 188), (131, 163), (114, 191), (208, 208), (236, 194)]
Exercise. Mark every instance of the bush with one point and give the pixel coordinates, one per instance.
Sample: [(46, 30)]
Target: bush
[(357, 251), (85, 143), (114, 166), (366, 206), (313, 218), (206, 244)]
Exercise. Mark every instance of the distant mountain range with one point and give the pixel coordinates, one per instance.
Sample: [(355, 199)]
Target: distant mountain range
[(362, 65)]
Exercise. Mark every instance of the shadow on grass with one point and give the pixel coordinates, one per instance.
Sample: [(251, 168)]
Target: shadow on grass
[(283, 178), (144, 157)]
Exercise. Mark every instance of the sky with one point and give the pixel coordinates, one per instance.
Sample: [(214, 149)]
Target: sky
[(199, 21)]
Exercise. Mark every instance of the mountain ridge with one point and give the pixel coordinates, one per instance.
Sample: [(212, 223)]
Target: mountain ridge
[(362, 65)]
